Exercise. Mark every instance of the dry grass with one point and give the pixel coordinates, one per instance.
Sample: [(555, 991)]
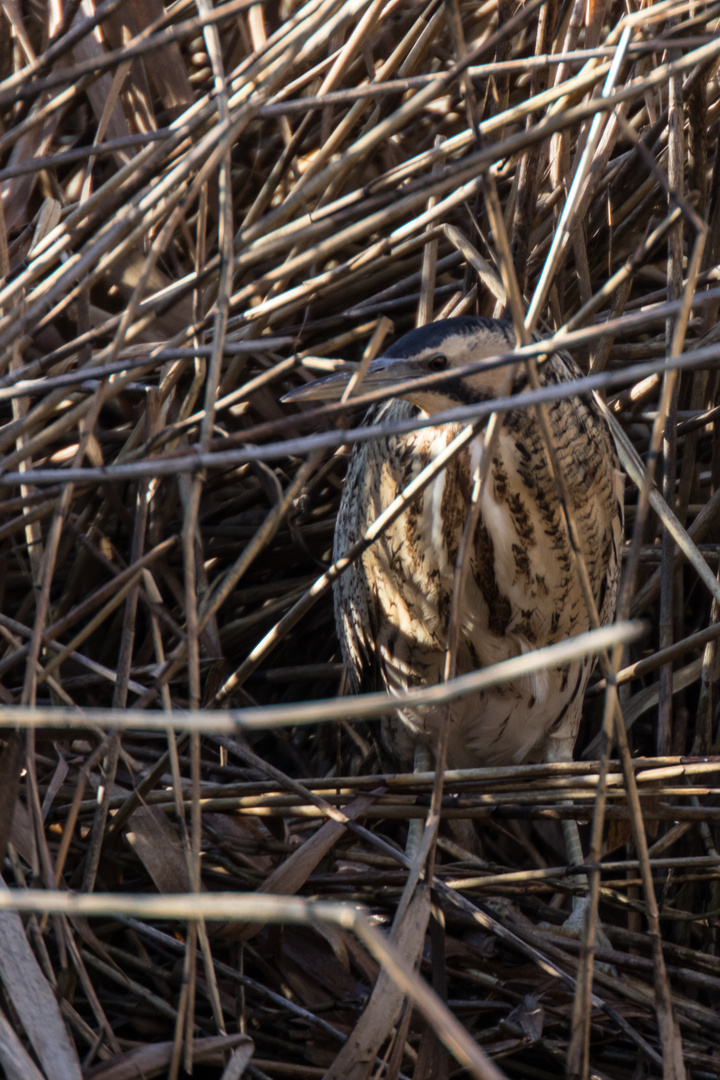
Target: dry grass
[(200, 207)]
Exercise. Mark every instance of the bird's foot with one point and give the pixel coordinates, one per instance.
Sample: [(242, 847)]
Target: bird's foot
[(574, 927)]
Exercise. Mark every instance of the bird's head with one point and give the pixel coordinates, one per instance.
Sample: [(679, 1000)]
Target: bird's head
[(439, 347)]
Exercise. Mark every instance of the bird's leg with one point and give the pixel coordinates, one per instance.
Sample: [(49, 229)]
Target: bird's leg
[(574, 852), (556, 751), (416, 826), (574, 925), (576, 920)]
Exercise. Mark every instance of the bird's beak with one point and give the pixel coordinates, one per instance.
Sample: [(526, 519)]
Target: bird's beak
[(384, 371)]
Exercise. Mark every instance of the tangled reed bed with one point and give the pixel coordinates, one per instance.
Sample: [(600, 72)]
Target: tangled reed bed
[(200, 207)]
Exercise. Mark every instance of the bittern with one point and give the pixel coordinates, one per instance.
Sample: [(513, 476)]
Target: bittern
[(392, 606)]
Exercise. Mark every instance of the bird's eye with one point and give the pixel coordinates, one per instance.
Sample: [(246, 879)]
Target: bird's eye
[(437, 363)]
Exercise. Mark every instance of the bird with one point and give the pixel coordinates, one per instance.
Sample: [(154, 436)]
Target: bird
[(392, 605)]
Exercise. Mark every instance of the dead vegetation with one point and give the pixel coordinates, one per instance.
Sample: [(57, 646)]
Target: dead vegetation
[(200, 207)]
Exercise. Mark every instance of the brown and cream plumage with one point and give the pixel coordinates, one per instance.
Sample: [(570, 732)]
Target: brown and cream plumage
[(392, 606)]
